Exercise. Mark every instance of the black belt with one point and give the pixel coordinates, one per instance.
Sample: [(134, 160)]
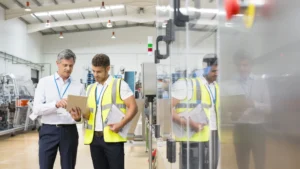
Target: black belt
[(98, 133), (59, 125)]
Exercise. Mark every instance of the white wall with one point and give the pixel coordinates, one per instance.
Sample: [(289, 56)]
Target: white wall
[(129, 49), (14, 40)]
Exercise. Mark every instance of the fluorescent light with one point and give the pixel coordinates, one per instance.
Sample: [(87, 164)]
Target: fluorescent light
[(71, 11), (87, 10), (57, 13), (162, 8), (27, 9), (184, 10), (259, 2), (97, 8), (41, 13), (116, 6), (203, 10), (255, 2)]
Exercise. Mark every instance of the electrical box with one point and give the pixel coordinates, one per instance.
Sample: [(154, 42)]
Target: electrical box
[(149, 79)]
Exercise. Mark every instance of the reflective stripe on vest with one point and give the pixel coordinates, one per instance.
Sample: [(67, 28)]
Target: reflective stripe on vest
[(108, 106), (111, 95), (205, 100), (192, 105), (189, 103)]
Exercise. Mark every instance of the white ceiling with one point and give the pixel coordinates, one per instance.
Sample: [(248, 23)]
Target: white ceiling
[(127, 16)]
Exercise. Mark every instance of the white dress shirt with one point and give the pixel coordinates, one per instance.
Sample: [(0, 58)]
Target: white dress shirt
[(182, 89), (125, 92), (47, 95)]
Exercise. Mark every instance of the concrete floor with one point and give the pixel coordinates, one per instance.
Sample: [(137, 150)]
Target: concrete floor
[(21, 152)]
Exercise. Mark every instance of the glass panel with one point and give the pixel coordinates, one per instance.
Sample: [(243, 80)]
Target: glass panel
[(189, 119), (259, 78), (162, 103)]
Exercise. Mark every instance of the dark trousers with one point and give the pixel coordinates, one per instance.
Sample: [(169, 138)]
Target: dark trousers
[(107, 155), (199, 154), (53, 138), (247, 138), (214, 149)]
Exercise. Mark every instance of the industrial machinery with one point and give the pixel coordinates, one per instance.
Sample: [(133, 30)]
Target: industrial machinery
[(16, 96)]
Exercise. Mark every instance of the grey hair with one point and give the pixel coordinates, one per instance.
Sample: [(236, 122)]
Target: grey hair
[(66, 54)]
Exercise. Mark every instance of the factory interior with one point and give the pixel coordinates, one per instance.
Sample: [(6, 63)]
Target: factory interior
[(168, 52)]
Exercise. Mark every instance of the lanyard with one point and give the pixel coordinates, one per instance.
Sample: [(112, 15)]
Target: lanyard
[(98, 98), (61, 96), (214, 97)]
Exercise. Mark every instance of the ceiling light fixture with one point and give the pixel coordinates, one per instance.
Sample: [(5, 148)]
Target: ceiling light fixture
[(102, 6), (61, 35), (47, 24), (57, 13), (41, 14), (27, 9), (113, 35), (74, 11), (109, 25), (87, 10), (116, 7)]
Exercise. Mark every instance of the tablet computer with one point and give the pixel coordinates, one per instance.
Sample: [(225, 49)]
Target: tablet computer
[(77, 101)]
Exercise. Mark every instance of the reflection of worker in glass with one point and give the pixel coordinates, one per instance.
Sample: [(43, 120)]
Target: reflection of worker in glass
[(195, 102), (249, 132)]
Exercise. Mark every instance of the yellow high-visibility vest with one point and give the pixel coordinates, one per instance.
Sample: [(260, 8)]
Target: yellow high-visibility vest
[(110, 96), (200, 96)]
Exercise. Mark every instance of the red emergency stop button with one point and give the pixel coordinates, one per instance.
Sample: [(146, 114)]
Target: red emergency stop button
[(232, 7)]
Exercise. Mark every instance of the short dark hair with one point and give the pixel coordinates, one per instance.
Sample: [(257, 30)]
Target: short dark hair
[(211, 61), (101, 60), (215, 63)]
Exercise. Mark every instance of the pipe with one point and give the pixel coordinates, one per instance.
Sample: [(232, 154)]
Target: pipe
[(17, 60)]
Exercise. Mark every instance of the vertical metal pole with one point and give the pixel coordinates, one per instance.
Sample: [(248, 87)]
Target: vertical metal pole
[(150, 134), (210, 150), (188, 144)]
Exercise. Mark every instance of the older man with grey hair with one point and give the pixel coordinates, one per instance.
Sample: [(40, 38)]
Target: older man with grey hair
[(58, 130)]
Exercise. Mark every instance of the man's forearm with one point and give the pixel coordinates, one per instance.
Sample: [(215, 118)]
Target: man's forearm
[(44, 109), (131, 112), (177, 119)]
